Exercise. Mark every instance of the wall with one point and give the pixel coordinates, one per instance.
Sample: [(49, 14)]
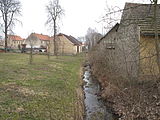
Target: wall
[(122, 48), (9, 42), (65, 46), (15, 43), (108, 45), (127, 50), (148, 62), (33, 40)]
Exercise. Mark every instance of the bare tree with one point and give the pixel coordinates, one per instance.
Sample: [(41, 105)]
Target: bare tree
[(131, 51), (31, 43), (48, 50), (92, 37), (55, 13), (9, 10)]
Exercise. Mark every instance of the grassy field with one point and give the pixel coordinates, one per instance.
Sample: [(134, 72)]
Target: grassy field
[(44, 90)]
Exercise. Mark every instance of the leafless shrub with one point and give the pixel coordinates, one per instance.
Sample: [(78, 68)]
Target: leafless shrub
[(134, 96)]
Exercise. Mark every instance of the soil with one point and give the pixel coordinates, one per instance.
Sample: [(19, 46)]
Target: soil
[(139, 102)]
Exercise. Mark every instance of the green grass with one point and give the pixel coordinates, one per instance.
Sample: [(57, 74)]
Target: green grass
[(44, 90)]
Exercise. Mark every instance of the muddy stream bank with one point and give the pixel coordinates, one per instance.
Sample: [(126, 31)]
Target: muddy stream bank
[(94, 104)]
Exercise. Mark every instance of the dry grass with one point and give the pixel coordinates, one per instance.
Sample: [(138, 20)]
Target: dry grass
[(45, 90), (130, 98)]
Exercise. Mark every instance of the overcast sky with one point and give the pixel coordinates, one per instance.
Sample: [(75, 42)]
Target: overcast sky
[(79, 16)]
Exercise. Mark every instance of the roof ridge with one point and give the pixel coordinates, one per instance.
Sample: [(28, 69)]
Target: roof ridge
[(41, 34), (42, 37), (138, 3), (16, 37), (71, 38)]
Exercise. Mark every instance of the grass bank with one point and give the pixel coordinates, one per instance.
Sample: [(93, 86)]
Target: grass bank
[(45, 90)]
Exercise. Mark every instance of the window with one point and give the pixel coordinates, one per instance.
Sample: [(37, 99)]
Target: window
[(111, 44)]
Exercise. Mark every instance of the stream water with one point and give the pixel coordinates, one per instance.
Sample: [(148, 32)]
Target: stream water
[(95, 108)]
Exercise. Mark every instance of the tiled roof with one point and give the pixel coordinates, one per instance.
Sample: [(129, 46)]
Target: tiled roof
[(72, 39), (15, 37), (42, 37), (142, 15)]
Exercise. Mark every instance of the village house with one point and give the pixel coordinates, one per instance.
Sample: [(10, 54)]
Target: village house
[(67, 45), (134, 40), (37, 41), (137, 38), (14, 41), (108, 44), (1, 43), (109, 40)]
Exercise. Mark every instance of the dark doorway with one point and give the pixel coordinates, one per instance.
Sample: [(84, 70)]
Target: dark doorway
[(77, 49)]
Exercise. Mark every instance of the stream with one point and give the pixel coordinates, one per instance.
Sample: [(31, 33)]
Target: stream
[(95, 108)]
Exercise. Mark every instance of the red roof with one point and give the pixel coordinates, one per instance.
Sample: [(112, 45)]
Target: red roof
[(15, 37), (42, 37)]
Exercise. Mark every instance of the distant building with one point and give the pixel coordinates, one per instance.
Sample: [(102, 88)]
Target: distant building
[(1, 43), (67, 45), (37, 40), (14, 41)]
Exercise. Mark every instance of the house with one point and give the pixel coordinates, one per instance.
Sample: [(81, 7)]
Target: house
[(108, 44), (109, 40), (14, 41), (137, 38), (37, 41), (1, 43), (67, 45), (134, 40)]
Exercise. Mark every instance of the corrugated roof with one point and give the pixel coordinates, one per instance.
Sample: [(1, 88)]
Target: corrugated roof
[(15, 37)]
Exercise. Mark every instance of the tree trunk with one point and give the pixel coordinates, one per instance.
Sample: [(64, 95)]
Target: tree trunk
[(54, 40), (31, 55), (6, 31), (48, 51)]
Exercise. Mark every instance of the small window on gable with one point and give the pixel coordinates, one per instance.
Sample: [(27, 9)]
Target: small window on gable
[(110, 46)]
